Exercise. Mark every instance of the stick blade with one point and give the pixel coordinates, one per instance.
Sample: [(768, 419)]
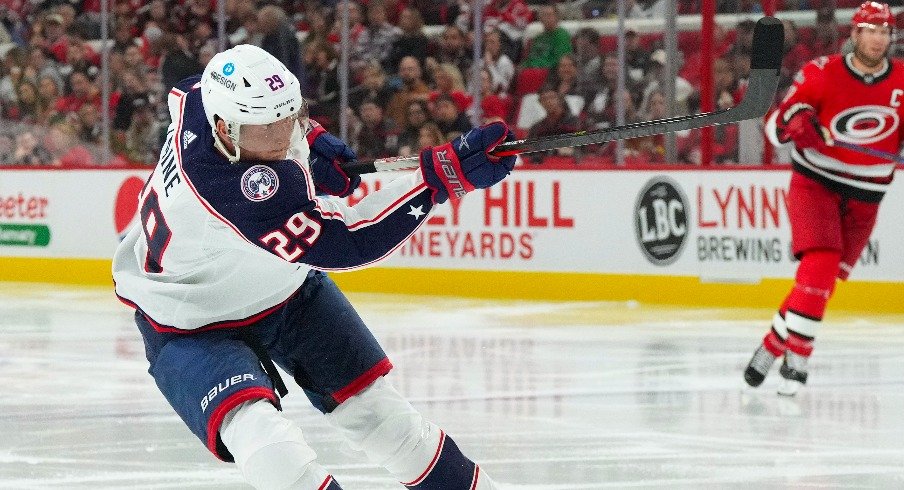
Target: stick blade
[(768, 44)]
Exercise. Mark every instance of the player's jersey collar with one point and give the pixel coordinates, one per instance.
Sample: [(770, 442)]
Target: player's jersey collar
[(867, 78)]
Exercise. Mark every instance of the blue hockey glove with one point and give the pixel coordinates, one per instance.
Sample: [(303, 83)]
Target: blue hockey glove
[(328, 153), (459, 167)]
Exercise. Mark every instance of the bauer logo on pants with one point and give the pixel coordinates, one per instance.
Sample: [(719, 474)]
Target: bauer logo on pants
[(660, 220)]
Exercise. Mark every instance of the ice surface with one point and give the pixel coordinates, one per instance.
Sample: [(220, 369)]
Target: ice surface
[(543, 395)]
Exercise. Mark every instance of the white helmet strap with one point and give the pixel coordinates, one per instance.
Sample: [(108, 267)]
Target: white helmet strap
[(232, 131)]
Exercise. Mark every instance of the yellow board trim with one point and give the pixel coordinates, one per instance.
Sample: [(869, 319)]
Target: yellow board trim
[(873, 297)]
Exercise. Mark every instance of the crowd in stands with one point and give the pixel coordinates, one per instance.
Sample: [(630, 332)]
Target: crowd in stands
[(407, 91)]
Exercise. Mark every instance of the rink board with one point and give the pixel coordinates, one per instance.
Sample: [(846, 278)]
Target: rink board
[(671, 235)]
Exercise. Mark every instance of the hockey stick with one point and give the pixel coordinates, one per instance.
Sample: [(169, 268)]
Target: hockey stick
[(869, 151), (765, 63)]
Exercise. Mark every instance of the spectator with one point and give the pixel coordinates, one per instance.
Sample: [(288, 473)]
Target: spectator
[(375, 42), (203, 34), (412, 41), (373, 87), (80, 57), (317, 27), (53, 36), (724, 84), (493, 106), (133, 87), (242, 25), (450, 120), (29, 107), (65, 150), (510, 18), (123, 36), (191, 13), (564, 79), (434, 12), (279, 37), (132, 58), (601, 101), (355, 20), (49, 93), (551, 44), (416, 115), (155, 13), (324, 79), (40, 66), (502, 70), (827, 41), (430, 135), (587, 56), (82, 91), (449, 82), (142, 138), (656, 81), (650, 149), (795, 54), (413, 88), (88, 124), (377, 137), (637, 57), (453, 49), (744, 36), (30, 151), (559, 118), (13, 73), (721, 46), (7, 148), (176, 62), (206, 52)]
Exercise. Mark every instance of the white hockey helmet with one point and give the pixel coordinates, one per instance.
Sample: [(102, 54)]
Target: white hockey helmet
[(247, 85)]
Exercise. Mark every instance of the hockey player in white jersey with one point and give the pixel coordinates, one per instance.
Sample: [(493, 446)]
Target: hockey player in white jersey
[(226, 275)]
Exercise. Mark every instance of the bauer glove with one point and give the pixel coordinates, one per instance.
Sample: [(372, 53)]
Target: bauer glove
[(459, 167)]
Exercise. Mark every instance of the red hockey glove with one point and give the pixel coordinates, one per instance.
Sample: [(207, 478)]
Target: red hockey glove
[(805, 131)]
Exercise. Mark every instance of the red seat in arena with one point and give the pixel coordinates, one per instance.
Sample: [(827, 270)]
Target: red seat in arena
[(530, 80)]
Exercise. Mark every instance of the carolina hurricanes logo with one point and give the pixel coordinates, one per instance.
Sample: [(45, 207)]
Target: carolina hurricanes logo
[(865, 124), (259, 183)]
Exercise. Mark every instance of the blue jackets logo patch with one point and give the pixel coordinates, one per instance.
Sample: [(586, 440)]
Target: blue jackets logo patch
[(259, 183)]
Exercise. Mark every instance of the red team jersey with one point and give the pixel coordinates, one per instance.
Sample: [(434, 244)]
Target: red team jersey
[(866, 110)]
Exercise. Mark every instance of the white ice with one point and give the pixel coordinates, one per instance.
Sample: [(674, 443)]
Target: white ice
[(543, 395)]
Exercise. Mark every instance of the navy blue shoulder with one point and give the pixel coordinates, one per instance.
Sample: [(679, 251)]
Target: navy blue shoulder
[(253, 197), (188, 84)]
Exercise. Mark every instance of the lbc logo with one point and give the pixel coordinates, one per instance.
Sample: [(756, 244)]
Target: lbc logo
[(660, 220)]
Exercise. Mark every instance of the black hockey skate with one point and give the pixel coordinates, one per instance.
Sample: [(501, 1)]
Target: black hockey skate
[(794, 374), (759, 366)]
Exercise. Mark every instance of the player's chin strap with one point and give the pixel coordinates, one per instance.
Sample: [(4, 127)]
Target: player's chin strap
[(232, 129), (250, 338)]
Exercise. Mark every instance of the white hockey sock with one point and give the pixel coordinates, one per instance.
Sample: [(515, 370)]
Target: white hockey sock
[(270, 450), (380, 422)]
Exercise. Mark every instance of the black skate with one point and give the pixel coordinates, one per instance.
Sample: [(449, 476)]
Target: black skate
[(794, 374), (759, 366)]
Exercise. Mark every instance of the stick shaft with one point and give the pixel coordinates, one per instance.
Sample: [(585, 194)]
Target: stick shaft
[(869, 151)]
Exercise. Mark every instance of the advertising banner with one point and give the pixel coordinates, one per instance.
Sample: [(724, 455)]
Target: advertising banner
[(718, 225)]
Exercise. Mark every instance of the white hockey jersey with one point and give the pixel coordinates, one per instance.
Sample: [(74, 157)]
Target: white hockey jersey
[(223, 245)]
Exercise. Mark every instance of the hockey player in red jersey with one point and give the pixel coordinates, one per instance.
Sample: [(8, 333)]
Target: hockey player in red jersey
[(835, 193)]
